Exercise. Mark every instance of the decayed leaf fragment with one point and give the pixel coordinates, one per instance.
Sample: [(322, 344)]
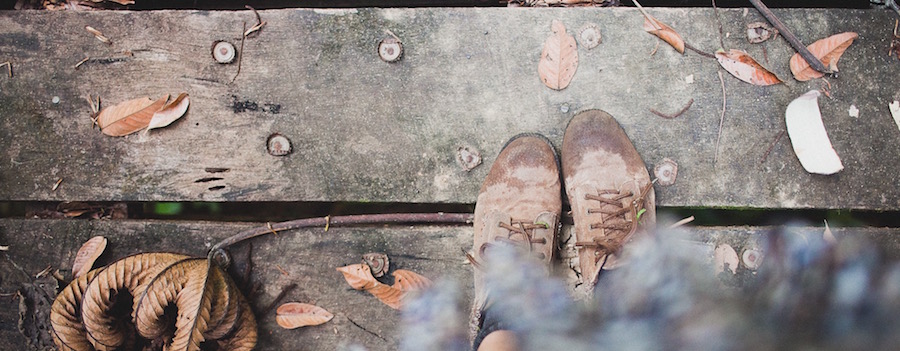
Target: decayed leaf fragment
[(171, 112), (130, 116), (295, 315), (828, 50), (664, 32), (559, 59), (726, 258), (360, 278), (808, 136), (87, 254), (745, 68)]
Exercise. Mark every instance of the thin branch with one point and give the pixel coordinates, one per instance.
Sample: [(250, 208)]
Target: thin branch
[(698, 51), (240, 52), (721, 118), (682, 222), (772, 146), (8, 68), (719, 22), (646, 15), (284, 291), (676, 114), (790, 37), (338, 221)]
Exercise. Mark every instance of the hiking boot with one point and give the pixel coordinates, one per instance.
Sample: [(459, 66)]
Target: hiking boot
[(519, 204), (609, 190)]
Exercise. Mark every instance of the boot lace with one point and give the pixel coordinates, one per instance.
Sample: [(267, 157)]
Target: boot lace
[(521, 233), (618, 220)]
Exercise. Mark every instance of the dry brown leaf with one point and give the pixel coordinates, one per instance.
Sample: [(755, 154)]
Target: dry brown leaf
[(359, 276), (171, 112), (87, 254), (130, 116), (559, 59), (226, 309), (745, 68), (66, 327), (664, 32), (128, 274), (244, 336), (295, 315), (828, 50)]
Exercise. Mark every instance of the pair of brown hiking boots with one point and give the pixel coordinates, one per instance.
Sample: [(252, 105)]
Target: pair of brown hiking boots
[(606, 182)]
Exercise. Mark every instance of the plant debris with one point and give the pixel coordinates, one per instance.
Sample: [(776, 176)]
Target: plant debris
[(359, 276), (87, 254), (808, 135), (661, 30), (8, 68), (758, 32), (559, 58), (378, 263), (789, 36), (133, 115), (894, 107), (171, 112), (745, 68), (676, 114), (294, 315), (209, 306), (726, 259), (99, 35), (828, 50)]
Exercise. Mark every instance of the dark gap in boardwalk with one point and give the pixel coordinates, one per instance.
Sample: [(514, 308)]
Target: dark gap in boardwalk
[(283, 211)]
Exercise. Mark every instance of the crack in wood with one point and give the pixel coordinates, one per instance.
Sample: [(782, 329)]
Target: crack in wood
[(366, 330)]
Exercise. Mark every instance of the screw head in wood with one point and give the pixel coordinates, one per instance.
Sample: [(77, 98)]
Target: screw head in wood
[(390, 49), (751, 258), (223, 52), (468, 157), (278, 145), (666, 171)]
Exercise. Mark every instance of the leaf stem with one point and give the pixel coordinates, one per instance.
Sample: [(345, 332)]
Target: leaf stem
[(721, 118), (790, 37)]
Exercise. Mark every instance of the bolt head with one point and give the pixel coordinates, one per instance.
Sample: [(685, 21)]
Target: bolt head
[(223, 52), (278, 145)]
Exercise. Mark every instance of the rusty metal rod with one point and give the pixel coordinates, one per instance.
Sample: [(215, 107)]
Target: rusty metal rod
[(791, 38)]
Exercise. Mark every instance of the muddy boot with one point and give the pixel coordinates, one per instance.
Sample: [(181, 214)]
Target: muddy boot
[(609, 190), (519, 204)]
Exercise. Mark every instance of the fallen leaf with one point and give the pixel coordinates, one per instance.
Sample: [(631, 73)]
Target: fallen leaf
[(171, 112), (726, 258), (745, 68), (295, 315), (360, 278), (130, 116), (87, 254), (209, 306), (664, 32), (808, 135), (828, 50), (378, 263), (559, 59), (894, 107)]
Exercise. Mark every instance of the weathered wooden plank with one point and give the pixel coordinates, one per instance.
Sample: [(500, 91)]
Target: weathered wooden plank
[(307, 256), (366, 130)]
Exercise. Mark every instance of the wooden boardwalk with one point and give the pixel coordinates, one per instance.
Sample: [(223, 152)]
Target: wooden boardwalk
[(364, 130)]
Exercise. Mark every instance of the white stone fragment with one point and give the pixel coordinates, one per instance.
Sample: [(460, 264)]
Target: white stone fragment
[(854, 112), (808, 135), (689, 79), (895, 111)]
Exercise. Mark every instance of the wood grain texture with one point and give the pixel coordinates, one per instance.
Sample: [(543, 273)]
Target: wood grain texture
[(367, 130), (308, 257)]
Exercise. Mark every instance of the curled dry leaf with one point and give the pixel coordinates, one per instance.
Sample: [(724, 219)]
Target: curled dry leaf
[(209, 306), (130, 116), (171, 112), (559, 59), (808, 136), (87, 254), (295, 315), (664, 32), (360, 278), (745, 68), (726, 258), (378, 263), (828, 50)]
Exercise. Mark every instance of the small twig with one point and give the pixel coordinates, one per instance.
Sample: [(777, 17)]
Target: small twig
[(99, 35), (682, 222), (43, 272), (258, 19), (790, 37), (387, 218), (56, 186), (721, 118), (719, 22), (698, 51), (8, 68), (81, 62), (283, 272), (327, 222), (240, 52), (254, 29), (95, 111), (4, 248), (284, 291), (271, 230), (772, 146), (655, 48), (646, 15), (366, 330), (676, 114)]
